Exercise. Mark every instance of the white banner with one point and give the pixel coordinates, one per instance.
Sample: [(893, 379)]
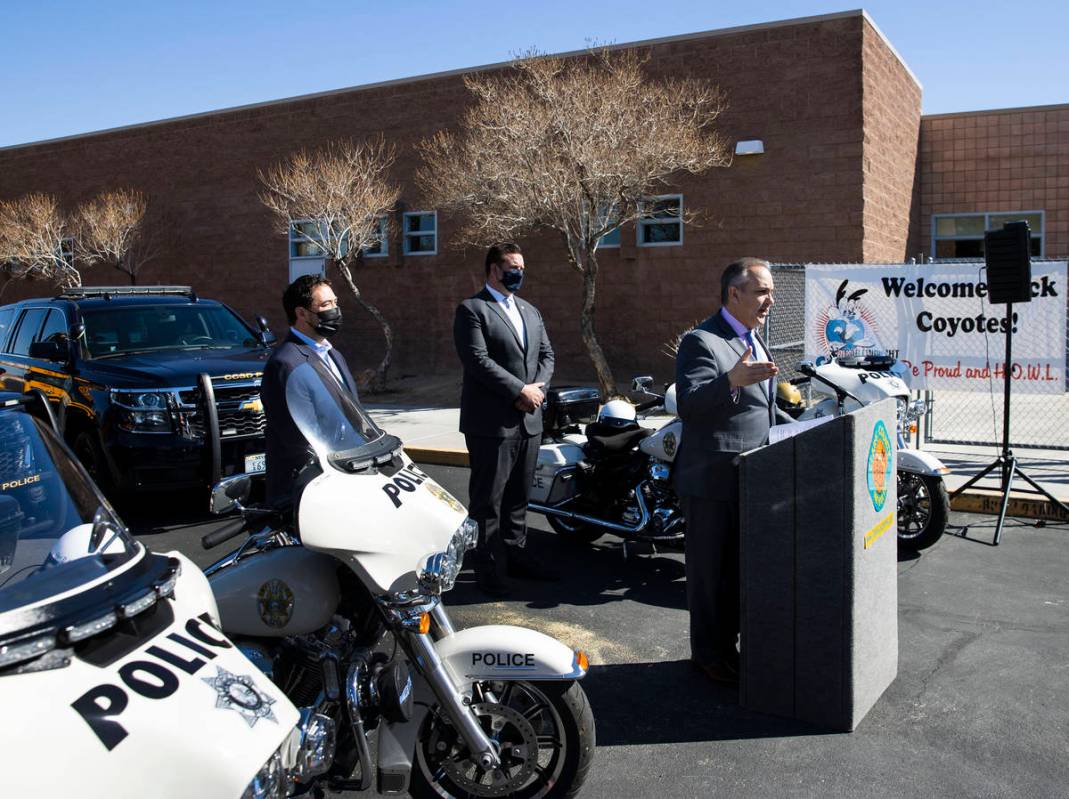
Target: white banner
[(938, 319)]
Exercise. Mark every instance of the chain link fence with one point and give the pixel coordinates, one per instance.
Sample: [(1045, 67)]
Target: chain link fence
[(954, 417)]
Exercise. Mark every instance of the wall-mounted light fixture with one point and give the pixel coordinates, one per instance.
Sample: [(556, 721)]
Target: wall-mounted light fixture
[(750, 147)]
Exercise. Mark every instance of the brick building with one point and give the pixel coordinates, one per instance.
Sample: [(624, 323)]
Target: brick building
[(850, 172)]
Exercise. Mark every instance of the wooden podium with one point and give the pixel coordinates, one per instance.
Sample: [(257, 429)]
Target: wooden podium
[(818, 570)]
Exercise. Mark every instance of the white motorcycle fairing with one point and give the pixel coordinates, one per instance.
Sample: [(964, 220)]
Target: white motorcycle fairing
[(916, 461), (383, 524), (664, 443), (504, 652), (182, 714)]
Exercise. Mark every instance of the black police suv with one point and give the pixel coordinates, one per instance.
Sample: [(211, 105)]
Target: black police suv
[(152, 387)]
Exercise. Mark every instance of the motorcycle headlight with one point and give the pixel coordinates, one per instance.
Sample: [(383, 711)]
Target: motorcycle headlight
[(469, 530), (270, 781), (440, 570)]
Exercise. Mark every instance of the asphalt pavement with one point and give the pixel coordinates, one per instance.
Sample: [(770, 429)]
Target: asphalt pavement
[(978, 709)]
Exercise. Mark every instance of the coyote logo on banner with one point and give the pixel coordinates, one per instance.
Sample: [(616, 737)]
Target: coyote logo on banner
[(848, 325)]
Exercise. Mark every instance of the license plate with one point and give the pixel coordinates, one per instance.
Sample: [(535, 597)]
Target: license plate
[(256, 464)]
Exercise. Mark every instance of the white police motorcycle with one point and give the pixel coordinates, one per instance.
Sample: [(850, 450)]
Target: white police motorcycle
[(850, 381), (340, 605), (612, 476), (115, 680)]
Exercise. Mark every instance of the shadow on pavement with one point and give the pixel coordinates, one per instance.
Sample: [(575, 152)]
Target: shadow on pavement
[(670, 702), (157, 512), (590, 575)]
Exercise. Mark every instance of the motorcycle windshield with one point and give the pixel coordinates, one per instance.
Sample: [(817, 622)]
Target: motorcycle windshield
[(57, 532), (337, 428)]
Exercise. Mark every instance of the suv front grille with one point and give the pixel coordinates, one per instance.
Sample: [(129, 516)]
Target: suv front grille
[(238, 407)]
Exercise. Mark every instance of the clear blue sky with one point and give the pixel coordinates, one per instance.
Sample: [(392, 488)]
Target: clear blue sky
[(77, 66)]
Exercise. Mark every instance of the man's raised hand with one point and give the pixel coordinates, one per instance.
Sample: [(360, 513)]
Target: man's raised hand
[(747, 372)]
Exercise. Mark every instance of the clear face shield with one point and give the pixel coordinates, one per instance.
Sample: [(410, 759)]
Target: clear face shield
[(336, 428)]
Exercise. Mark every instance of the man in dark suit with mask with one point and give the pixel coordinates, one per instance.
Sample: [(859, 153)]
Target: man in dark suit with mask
[(725, 393), (507, 360), (313, 313)]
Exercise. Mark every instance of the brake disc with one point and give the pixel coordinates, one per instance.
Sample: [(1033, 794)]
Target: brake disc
[(517, 745)]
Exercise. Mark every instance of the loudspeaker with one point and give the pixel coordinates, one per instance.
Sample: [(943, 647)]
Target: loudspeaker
[(1007, 253)]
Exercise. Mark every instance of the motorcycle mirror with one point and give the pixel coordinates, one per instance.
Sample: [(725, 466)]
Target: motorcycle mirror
[(641, 383), (229, 493)]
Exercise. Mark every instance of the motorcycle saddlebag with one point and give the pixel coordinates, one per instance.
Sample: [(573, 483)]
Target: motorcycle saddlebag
[(569, 407)]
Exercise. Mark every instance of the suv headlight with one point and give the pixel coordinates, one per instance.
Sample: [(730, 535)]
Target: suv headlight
[(440, 571), (143, 411), (270, 781)]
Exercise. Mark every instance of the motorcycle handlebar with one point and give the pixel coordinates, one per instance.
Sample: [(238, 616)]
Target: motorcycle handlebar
[(645, 406), (224, 534)]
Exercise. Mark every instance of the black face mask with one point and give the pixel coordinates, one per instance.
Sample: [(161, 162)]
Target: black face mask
[(329, 322), (512, 279)]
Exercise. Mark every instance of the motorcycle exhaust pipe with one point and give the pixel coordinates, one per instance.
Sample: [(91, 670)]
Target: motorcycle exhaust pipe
[(556, 510)]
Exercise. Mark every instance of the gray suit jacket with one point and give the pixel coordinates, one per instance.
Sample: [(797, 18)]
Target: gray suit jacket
[(716, 425), (497, 365)]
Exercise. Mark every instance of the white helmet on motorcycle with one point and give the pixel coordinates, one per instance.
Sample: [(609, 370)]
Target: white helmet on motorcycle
[(74, 544), (617, 413)]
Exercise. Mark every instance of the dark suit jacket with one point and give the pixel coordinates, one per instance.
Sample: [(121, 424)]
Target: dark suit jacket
[(497, 365), (286, 448), (716, 426)]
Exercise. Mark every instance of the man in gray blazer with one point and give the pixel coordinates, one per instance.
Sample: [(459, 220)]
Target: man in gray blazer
[(725, 392), (507, 361)]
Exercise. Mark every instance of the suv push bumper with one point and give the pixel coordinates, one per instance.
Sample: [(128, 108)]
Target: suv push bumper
[(156, 462)]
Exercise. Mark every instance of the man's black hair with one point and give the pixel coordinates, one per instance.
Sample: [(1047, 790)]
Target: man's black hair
[(734, 274), (497, 252), (298, 294)]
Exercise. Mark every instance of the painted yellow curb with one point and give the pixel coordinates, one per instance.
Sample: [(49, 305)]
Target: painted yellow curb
[(989, 502)]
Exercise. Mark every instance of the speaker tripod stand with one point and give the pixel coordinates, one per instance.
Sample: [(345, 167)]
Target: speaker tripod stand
[(1006, 461)]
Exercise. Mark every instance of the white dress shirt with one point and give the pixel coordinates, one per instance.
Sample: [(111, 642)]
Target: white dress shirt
[(511, 310), (322, 349)]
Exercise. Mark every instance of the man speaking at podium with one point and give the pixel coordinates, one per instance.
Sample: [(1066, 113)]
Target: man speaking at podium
[(725, 392)]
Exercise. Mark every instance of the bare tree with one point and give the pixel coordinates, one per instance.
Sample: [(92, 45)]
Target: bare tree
[(336, 200), (110, 230), (573, 145), (34, 242)]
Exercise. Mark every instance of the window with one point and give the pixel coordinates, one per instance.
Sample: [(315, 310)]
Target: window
[(662, 222), (962, 235), (421, 233), (304, 237), (612, 238), (7, 316), (55, 328), (382, 249), (306, 255), (114, 331), (28, 327), (66, 251)]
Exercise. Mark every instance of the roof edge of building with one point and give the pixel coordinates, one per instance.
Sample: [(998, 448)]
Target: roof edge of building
[(466, 70), (868, 18), (1014, 110)]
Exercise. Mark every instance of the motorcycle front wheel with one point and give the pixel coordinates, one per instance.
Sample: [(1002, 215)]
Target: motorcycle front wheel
[(923, 510), (545, 735)]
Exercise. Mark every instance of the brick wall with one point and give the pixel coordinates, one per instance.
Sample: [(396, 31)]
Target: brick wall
[(797, 87), (992, 161), (891, 127)]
